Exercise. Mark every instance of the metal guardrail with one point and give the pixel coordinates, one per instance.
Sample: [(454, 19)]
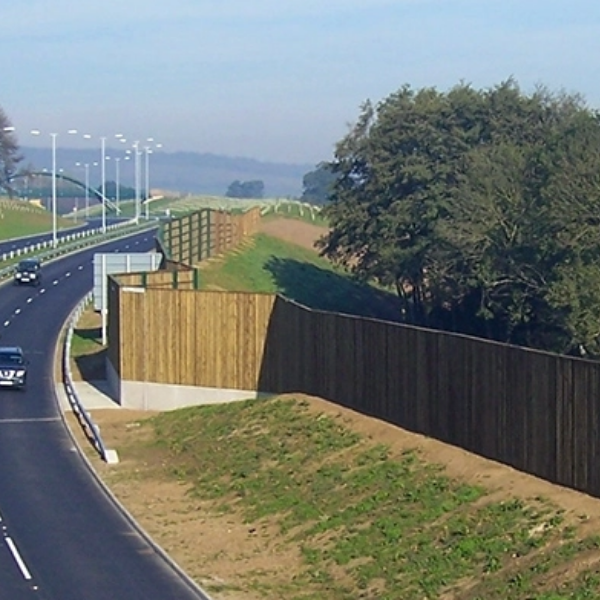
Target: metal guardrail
[(69, 243), (90, 428)]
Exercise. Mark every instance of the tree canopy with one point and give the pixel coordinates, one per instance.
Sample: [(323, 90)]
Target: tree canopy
[(318, 184), (9, 152), (246, 189), (481, 208)]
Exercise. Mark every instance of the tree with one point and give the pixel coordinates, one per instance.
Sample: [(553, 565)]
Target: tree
[(480, 207), (9, 152), (246, 189), (318, 184)]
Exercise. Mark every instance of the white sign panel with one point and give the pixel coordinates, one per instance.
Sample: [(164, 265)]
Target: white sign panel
[(113, 263)]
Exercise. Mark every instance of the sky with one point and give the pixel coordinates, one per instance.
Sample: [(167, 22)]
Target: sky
[(274, 80)]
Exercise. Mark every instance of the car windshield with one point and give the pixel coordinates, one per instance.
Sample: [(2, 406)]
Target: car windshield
[(10, 358), (28, 265)]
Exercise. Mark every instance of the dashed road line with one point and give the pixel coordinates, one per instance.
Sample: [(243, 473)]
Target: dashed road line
[(20, 562)]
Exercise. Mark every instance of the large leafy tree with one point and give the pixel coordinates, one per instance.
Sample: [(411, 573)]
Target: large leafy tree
[(479, 207)]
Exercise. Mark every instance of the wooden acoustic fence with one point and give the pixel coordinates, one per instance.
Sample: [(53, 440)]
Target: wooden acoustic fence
[(536, 411), (192, 238)]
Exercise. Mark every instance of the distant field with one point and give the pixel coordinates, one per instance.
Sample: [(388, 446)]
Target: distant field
[(177, 207)]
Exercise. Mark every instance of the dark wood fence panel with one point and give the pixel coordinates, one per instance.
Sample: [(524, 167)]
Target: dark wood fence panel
[(114, 325), (535, 411)]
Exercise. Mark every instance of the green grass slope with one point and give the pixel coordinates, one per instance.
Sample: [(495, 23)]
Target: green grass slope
[(369, 521), (18, 219), (269, 265)]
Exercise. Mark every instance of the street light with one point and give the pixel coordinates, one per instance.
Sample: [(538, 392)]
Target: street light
[(148, 151), (103, 182), (137, 181), (54, 224), (117, 191), (54, 202)]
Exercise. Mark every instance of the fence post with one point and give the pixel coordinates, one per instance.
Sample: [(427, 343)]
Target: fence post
[(196, 279), (175, 279), (208, 233)]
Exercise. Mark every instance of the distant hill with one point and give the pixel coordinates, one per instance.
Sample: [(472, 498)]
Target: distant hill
[(184, 172)]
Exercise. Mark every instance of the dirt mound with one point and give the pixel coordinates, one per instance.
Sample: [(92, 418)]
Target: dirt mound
[(293, 230)]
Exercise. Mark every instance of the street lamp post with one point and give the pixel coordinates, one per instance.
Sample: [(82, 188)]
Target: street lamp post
[(54, 236), (147, 182), (103, 183), (87, 190), (148, 151), (54, 200), (117, 191), (137, 181)]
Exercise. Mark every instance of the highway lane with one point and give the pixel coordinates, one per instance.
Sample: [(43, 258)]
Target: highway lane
[(63, 538), (14, 244)]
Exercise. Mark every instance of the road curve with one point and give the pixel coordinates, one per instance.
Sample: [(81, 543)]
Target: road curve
[(63, 537)]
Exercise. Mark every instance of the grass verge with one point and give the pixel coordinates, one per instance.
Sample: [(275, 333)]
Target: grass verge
[(87, 353), (366, 520), (18, 219)]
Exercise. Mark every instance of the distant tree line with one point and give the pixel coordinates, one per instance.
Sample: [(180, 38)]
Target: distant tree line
[(317, 185), (246, 189), (480, 207)]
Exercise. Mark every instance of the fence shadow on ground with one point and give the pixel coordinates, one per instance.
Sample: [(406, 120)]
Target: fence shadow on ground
[(324, 289)]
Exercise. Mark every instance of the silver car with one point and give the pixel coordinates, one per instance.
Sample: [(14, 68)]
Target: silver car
[(13, 367)]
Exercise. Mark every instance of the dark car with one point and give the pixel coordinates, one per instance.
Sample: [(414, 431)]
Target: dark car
[(28, 272), (13, 367)]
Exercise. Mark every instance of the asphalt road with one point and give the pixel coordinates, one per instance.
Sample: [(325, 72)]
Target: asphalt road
[(12, 244), (63, 537)]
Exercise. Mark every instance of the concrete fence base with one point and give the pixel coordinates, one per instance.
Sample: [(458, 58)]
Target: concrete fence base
[(143, 395)]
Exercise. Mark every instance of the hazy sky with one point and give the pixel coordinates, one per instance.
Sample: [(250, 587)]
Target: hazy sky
[(276, 80)]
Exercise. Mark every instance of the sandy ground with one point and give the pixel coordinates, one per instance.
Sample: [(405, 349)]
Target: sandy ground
[(295, 231), (225, 550)]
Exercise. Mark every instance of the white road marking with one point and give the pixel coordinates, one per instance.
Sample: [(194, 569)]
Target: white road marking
[(29, 300), (43, 290), (17, 311), (22, 566), (55, 282), (80, 267), (68, 274), (6, 323)]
